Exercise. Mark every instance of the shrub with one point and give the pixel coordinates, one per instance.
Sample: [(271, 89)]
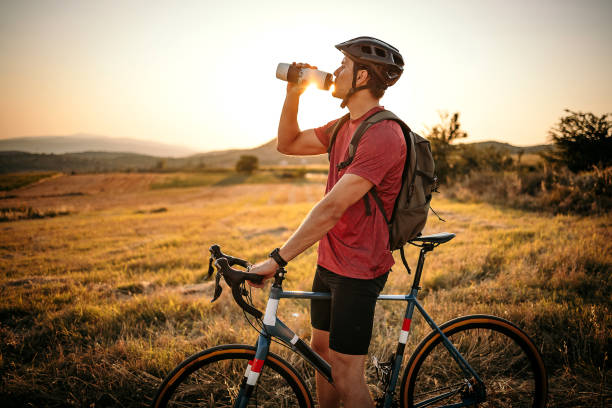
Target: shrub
[(555, 191), (582, 140), (441, 136), (247, 164)]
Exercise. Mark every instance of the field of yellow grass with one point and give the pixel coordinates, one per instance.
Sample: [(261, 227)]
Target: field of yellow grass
[(105, 290)]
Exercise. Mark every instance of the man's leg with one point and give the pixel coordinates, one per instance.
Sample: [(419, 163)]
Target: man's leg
[(349, 379), (326, 393), (342, 330)]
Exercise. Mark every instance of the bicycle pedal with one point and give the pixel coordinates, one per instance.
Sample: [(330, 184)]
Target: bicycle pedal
[(379, 402), (383, 369)]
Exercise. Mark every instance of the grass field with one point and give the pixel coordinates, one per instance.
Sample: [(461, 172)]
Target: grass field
[(101, 302)]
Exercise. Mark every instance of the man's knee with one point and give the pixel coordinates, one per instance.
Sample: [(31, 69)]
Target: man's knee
[(347, 370), (320, 342)]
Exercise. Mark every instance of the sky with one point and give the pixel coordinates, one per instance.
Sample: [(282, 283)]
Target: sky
[(201, 74)]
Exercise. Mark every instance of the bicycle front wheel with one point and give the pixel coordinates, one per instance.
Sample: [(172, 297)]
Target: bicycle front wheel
[(212, 378), (502, 355)]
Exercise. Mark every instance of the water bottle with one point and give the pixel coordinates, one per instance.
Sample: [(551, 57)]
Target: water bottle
[(291, 73)]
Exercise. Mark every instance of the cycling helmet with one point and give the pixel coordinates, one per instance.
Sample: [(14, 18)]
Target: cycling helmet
[(383, 60)]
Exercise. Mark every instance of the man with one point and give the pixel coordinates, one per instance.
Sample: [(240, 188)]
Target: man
[(354, 258)]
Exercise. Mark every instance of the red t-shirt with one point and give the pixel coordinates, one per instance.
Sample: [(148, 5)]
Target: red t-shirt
[(358, 245)]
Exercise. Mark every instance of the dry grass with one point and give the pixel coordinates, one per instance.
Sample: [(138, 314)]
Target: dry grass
[(99, 305)]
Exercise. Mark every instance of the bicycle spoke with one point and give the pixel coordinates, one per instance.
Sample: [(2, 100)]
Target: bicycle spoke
[(497, 354)]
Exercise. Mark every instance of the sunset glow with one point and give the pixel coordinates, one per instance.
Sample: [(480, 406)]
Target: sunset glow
[(202, 74)]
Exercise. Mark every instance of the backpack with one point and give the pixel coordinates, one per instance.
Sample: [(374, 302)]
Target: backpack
[(418, 181)]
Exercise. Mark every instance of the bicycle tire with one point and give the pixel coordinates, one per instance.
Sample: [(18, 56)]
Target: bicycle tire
[(503, 356), (212, 378)]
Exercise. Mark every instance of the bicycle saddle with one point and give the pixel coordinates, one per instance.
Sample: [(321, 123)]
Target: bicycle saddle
[(439, 238)]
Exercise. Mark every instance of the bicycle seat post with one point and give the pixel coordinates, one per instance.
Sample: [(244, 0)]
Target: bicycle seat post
[(427, 247)]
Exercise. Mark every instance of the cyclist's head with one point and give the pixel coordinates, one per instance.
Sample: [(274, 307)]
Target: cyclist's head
[(382, 61)]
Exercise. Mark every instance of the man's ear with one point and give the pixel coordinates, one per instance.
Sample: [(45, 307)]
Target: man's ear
[(363, 76)]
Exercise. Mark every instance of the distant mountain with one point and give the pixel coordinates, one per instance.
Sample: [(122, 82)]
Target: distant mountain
[(87, 162), (88, 143), (512, 149), (16, 161), (266, 153)]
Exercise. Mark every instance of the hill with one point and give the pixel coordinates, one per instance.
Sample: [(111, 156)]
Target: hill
[(266, 153), (88, 143), (87, 162), (101, 161), (512, 149)]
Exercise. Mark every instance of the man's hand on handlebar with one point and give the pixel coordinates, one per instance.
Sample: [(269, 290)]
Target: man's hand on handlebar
[(266, 268)]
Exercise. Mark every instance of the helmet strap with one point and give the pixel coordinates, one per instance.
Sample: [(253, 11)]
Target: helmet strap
[(353, 89)]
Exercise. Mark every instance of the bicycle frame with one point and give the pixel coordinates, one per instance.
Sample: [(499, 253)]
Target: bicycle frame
[(274, 327)]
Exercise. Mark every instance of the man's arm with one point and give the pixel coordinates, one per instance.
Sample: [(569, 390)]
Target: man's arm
[(291, 140), (323, 216)]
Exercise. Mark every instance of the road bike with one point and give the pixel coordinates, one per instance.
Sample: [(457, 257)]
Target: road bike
[(476, 360)]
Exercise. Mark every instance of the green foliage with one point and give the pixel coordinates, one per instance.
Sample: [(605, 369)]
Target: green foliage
[(161, 164), (27, 213), (556, 191), (582, 140), (453, 161), (247, 164), (441, 136), (15, 180), (292, 173), (468, 158), (205, 178)]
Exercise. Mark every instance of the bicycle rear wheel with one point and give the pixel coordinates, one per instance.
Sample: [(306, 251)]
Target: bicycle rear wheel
[(502, 355), (212, 378)]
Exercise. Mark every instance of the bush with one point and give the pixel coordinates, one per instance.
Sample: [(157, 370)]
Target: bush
[(247, 164), (582, 140), (468, 158), (555, 191), (441, 136)]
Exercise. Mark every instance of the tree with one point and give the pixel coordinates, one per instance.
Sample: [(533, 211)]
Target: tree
[(247, 164), (161, 164), (582, 140), (441, 136)]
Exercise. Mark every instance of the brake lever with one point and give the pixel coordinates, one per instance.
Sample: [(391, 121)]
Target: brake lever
[(218, 288), (215, 251), (211, 270)]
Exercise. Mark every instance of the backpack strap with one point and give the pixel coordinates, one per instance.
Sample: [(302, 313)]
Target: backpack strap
[(333, 131), (380, 205), (352, 149), (410, 169), (411, 159), (363, 127)]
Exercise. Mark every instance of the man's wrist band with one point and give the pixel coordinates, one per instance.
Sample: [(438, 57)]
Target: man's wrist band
[(277, 258)]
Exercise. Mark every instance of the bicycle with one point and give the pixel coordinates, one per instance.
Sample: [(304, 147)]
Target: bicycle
[(492, 362)]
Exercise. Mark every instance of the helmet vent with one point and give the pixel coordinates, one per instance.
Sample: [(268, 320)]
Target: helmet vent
[(366, 49), (380, 52), (397, 59)]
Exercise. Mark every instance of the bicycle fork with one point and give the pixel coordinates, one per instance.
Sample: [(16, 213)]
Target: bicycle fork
[(274, 327), (253, 371)]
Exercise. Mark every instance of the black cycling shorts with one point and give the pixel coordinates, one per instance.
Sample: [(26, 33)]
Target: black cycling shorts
[(349, 316)]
